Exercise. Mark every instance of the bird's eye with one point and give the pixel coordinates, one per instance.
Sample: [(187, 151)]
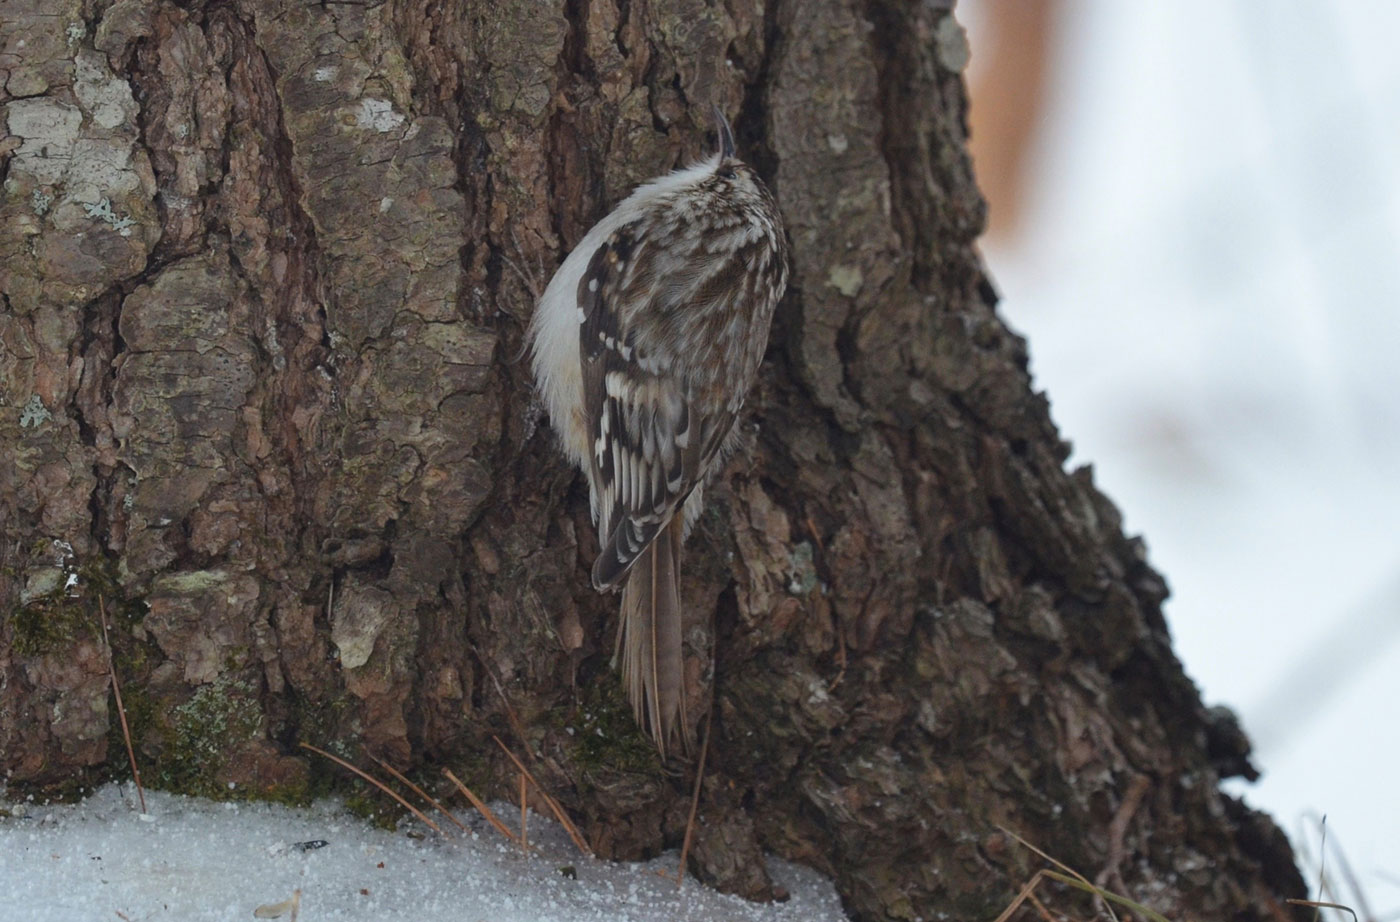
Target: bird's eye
[(726, 172)]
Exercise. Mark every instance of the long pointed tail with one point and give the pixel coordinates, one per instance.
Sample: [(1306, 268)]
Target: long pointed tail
[(649, 640)]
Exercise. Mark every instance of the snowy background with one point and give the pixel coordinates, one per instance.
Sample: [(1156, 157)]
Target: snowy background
[(1208, 272)]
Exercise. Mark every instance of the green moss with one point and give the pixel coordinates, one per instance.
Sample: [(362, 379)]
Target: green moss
[(609, 739), (48, 624), (295, 794), (320, 722), (55, 618), (130, 664), (184, 749), (40, 628), (202, 731), (374, 807), (98, 578)]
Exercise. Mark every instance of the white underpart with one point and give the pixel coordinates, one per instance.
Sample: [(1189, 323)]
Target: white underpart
[(554, 331)]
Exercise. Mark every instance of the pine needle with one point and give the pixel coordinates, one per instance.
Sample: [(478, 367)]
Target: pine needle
[(1040, 907), (1080, 883), (550, 802), (381, 785), (481, 807), (1021, 897), (1073, 878), (1317, 904), (1080, 878), (524, 814), (420, 792), (121, 709), (694, 803)]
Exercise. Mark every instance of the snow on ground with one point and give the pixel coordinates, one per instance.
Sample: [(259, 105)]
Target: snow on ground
[(192, 860)]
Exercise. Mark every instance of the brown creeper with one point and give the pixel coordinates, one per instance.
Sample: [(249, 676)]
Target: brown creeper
[(645, 344)]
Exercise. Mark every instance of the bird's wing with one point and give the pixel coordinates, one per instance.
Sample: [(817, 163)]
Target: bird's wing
[(653, 431)]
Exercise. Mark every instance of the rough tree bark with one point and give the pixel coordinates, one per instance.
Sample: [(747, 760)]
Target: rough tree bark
[(266, 269)]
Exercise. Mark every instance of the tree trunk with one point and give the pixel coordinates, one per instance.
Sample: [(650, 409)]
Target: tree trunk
[(267, 266)]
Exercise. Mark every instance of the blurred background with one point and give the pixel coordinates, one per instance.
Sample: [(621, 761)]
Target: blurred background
[(1195, 219)]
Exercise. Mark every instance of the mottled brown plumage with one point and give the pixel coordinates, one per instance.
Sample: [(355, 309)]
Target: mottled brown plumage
[(646, 343)]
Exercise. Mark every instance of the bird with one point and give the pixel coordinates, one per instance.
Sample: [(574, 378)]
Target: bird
[(644, 346)]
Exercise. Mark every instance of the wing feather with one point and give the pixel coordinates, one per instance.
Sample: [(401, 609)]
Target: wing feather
[(640, 412)]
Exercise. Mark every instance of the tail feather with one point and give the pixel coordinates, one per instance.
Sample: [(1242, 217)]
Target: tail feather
[(649, 640)]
